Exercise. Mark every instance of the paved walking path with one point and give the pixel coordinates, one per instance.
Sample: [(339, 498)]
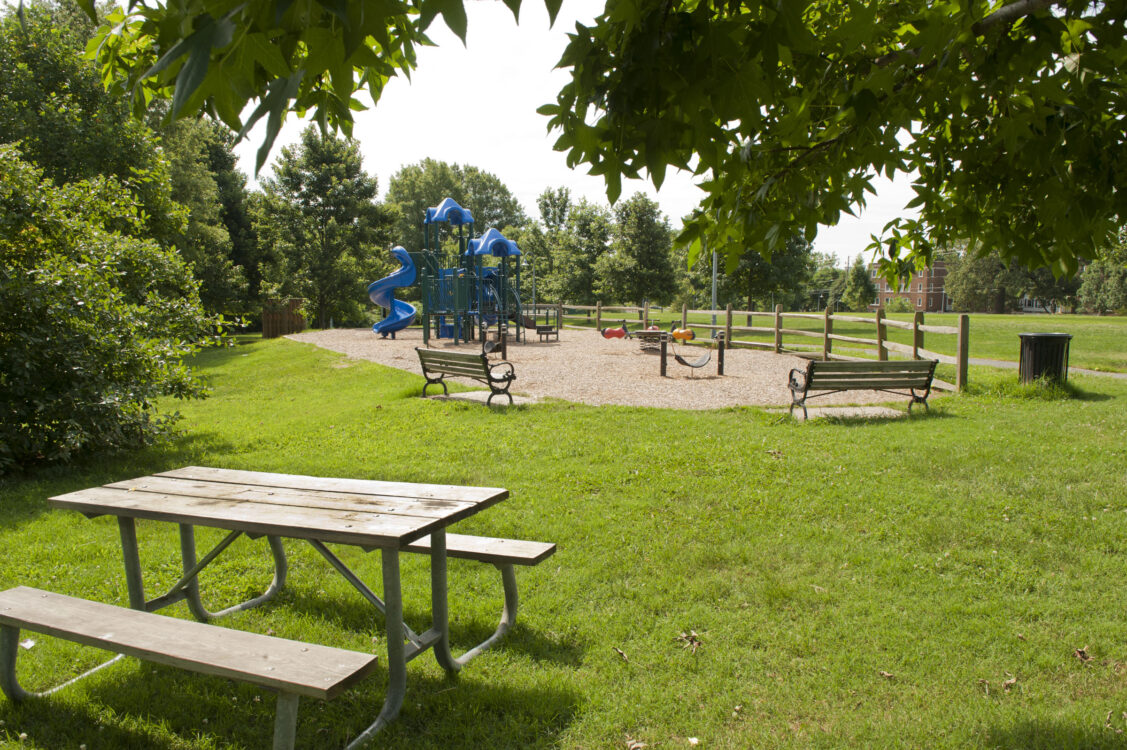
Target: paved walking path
[(1006, 364)]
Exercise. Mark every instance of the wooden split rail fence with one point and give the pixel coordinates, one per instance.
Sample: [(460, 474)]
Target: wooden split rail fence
[(781, 337)]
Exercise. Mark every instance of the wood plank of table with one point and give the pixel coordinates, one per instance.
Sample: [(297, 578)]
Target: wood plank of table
[(326, 525), (305, 498), (359, 486)]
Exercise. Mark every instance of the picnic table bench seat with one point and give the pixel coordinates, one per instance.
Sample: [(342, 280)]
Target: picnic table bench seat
[(547, 331), (895, 376), (292, 668), (497, 375)]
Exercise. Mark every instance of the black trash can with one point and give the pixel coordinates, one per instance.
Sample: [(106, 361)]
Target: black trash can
[(1044, 355)]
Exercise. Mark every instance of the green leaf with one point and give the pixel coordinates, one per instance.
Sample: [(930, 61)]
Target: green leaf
[(553, 7)]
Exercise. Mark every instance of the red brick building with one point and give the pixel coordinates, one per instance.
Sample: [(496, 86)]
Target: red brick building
[(923, 290)]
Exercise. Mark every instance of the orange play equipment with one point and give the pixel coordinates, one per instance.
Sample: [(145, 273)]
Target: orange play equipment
[(615, 333)]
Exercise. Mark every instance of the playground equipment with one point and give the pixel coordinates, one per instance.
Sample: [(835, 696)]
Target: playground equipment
[(685, 335), (615, 333), (400, 314), (464, 301)]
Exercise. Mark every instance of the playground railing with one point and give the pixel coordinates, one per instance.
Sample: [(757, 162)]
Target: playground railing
[(777, 336)]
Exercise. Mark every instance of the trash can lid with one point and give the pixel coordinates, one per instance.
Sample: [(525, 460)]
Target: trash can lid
[(1046, 335)]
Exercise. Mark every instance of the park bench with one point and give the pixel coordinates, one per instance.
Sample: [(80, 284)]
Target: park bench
[(546, 332), (292, 668), (914, 375), (466, 365)]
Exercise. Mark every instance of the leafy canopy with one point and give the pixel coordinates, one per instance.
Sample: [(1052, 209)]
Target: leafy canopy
[(1009, 114)]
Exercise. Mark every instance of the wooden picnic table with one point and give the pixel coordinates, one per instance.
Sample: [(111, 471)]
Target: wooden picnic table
[(388, 516)]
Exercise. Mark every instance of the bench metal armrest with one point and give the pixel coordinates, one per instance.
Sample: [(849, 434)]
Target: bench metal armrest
[(504, 375), (797, 379)]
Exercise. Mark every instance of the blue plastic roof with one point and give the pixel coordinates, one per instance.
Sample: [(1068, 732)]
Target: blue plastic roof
[(493, 243), (449, 211)]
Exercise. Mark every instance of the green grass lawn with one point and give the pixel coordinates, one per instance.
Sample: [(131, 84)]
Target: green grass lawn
[(1098, 343), (918, 582)]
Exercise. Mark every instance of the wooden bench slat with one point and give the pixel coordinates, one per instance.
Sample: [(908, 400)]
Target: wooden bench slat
[(488, 549), (291, 666)]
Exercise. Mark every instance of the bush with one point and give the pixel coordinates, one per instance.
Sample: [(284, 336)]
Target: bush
[(899, 305), (93, 325)]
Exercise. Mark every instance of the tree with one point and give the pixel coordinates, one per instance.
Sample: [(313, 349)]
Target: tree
[(585, 241), (981, 283), (417, 187), (203, 241), (94, 322), (324, 226), (859, 290), (638, 266), (784, 277), (234, 206), (52, 102), (827, 283), (1008, 110), (1103, 286), (554, 205)]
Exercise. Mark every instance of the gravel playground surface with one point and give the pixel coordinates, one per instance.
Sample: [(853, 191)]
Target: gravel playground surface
[(586, 368)]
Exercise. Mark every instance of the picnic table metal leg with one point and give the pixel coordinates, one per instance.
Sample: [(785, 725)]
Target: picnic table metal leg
[(191, 584), (132, 559), (285, 721), (440, 606), (396, 649)]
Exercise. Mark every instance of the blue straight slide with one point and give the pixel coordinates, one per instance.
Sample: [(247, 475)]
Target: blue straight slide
[(400, 314)]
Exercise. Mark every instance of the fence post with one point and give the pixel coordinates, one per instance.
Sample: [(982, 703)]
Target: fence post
[(684, 314), (882, 353), (828, 328), (963, 356), (917, 335), (728, 323), (643, 314), (598, 314), (559, 316), (778, 329)]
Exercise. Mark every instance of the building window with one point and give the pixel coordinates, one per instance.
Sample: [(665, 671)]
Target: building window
[(873, 274), (919, 301), (919, 287)]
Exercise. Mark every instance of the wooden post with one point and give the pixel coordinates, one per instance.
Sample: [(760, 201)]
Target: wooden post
[(963, 357), (559, 316), (664, 354), (917, 335), (644, 314), (728, 323), (598, 314), (882, 353), (684, 314), (504, 336), (778, 329), (720, 356), (827, 329)]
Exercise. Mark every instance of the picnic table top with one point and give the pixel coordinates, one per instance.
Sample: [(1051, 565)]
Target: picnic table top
[(368, 513)]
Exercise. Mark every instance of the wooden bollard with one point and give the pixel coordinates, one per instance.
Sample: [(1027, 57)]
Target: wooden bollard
[(720, 355), (664, 355)]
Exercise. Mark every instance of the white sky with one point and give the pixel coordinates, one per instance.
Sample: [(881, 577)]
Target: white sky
[(509, 72)]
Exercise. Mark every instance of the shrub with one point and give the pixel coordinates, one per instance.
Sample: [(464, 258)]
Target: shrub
[(93, 324), (899, 305)]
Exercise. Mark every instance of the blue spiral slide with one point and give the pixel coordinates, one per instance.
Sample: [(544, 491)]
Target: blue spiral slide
[(400, 314)]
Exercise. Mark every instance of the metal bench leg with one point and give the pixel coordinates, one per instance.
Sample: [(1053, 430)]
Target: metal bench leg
[(396, 650), (9, 651), (508, 614), (285, 721)]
